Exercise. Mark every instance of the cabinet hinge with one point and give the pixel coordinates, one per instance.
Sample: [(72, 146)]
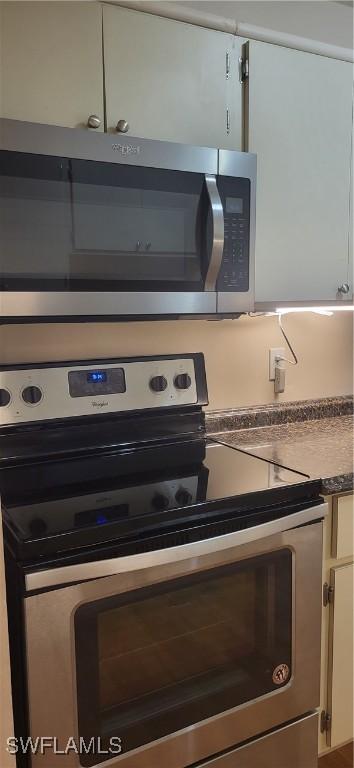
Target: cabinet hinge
[(325, 721), (227, 65), (242, 69), (228, 123), (328, 594)]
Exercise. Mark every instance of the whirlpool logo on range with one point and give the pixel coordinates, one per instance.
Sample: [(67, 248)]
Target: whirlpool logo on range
[(99, 403), (126, 149)]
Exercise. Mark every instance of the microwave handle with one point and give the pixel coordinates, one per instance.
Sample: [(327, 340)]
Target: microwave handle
[(218, 233), (71, 574)]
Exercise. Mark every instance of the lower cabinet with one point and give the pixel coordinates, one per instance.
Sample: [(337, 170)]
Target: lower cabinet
[(337, 680), (293, 746), (341, 667)]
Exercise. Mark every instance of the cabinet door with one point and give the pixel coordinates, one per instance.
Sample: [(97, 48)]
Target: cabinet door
[(341, 690), (51, 60), (169, 80), (350, 279), (299, 124), (343, 527)]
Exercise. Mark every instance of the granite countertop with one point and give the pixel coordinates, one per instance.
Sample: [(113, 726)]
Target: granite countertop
[(320, 446)]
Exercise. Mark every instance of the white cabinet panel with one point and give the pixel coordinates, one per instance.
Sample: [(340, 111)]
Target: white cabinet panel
[(299, 124), (351, 222), (168, 79), (343, 527), (51, 59), (341, 690)]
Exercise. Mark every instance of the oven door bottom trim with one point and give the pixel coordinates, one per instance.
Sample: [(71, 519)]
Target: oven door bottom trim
[(292, 746)]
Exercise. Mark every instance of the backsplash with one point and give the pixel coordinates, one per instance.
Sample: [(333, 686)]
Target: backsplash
[(236, 351)]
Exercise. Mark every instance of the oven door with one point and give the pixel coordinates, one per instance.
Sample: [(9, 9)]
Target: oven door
[(180, 653), (95, 228)]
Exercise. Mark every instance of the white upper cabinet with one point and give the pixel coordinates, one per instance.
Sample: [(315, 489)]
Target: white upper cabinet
[(300, 125), (170, 80), (51, 62)]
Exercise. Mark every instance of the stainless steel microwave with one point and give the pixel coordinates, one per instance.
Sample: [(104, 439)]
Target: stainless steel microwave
[(98, 226)]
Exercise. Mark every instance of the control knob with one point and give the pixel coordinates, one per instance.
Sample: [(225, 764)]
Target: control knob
[(32, 395), (183, 497), (37, 527), (158, 383), (160, 502), (182, 381), (5, 398)]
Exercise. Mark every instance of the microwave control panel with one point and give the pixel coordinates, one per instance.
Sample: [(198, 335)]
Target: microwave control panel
[(235, 198)]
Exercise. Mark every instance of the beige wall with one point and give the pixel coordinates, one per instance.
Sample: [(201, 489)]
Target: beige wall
[(236, 351)]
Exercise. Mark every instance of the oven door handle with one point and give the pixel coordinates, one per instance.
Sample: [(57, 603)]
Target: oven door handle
[(99, 569), (218, 233)]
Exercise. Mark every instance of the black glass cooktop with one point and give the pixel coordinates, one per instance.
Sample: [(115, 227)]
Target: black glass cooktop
[(61, 505)]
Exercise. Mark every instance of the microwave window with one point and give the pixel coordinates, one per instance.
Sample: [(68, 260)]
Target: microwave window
[(234, 205), (85, 225), (35, 217), (157, 660)]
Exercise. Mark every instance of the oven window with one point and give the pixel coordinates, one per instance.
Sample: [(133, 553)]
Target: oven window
[(84, 225), (156, 660)]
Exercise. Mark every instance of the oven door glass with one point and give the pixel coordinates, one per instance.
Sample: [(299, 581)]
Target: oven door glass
[(84, 225), (159, 659)]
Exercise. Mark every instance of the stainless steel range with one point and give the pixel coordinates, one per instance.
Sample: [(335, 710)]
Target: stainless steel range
[(166, 588)]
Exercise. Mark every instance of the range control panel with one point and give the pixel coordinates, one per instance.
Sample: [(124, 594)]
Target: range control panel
[(59, 391)]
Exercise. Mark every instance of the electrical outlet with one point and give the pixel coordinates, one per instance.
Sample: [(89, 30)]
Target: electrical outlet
[(274, 352)]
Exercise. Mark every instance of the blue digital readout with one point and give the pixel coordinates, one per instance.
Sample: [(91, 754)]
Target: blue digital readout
[(95, 377), (101, 519)]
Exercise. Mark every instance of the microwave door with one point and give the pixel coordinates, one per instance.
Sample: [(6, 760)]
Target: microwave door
[(88, 231), (141, 232)]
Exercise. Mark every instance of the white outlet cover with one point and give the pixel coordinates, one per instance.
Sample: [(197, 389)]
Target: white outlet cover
[(274, 352)]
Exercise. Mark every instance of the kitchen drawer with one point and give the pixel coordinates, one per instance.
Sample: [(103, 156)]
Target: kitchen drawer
[(294, 746), (343, 527)]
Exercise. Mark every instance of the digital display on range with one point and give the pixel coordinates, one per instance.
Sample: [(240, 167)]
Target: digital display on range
[(110, 381), (94, 377), (102, 516)]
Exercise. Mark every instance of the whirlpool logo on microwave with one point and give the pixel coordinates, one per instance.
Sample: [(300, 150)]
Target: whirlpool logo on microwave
[(126, 149), (99, 403)]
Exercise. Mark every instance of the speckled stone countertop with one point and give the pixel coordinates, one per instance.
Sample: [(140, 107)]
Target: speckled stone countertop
[(314, 437)]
